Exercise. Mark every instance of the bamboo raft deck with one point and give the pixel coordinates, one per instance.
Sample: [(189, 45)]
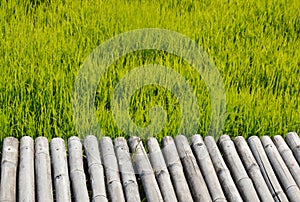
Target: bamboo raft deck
[(180, 170)]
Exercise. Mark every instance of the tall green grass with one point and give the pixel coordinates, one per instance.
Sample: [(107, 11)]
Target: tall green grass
[(255, 46)]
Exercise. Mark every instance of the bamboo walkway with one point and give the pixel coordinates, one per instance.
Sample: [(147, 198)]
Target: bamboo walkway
[(179, 170)]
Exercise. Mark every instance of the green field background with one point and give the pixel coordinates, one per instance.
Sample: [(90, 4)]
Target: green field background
[(254, 44)]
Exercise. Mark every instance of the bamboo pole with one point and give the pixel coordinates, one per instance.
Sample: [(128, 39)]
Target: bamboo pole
[(175, 168), (192, 171), (95, 168), (293, 140), (266, 169), (77, 175), (288, 183), (288, 157), (240, 176), (43, 170), (207, 169), (161, 171), (110, 163), (26, 170), (222, 171), (253, 169), (144, 169), (129, 181), (60, 170), (9, 165)]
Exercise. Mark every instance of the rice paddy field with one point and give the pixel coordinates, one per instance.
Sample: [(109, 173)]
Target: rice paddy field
[(254, 44)]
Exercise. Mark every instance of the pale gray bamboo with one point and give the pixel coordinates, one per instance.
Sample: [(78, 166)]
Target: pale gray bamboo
[(143, 168), (227, 183), (282, 172), (43, 170), (26, 184), (113, 182), (293, 140), (77, 175), (175, 168), (129, 181), (9, 165), (207, 169), (95, 168), (192, 171), (60, 170), (161, 171), (266, 169), (253, 169), (288, 157), (240, 176)]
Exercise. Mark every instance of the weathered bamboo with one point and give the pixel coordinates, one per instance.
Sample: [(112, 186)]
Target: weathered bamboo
[(293, 140), (266, 169), (77, 175), (110, 163), (240, 176), (192, 171), (9, 165), (161, 171), (164, 179), (253, 169), (60, 170), (288, 183), (222, 171), (43, 170), (129, 181), (175, 168), (26, 184), (288, 157), (95, 169), (143, 168), (207, 169)]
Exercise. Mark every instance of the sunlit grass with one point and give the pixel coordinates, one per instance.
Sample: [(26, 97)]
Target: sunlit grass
[(255, 46)]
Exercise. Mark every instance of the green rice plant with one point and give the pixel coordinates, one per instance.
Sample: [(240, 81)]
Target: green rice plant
[(255, 46)]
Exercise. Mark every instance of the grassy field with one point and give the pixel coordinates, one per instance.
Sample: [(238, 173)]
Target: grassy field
[(255, 45)]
